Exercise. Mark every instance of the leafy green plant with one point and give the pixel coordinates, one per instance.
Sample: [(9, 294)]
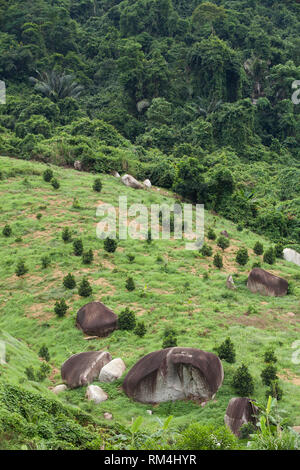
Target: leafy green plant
[(218, 261), (211, 234), (206, 250), (140, 329), (127, 320), (110, 245), (7, 231), (48, 175), (223, 242), (243, 382), (77, 247), (85, 289), (46, 261), (258, 248), (44, 353), (66, 235), (242, 256), (55, 183), (60, 308), (97, 185), (130, 284), (269, 374), (269, 256), (21, 268), (69, 281), (226, 351), (87, 257), (206, 437)]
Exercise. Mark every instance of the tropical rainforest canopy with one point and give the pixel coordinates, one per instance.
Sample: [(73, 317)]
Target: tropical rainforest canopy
[(195, 95)]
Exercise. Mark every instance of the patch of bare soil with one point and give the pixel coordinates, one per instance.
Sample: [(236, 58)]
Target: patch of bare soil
[(38, 311), (288, 376)]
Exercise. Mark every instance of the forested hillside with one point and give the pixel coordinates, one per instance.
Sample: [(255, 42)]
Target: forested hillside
[(195, 95)]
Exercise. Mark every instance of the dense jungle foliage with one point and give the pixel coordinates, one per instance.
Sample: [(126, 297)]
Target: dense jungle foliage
[(195, 95)]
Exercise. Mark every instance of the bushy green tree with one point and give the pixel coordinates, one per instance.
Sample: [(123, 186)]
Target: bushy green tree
[(21, 268), (85, 289), (97, 186), (127, 320), (226, 351), (258, 248), (243, 382), (69, 281), (130, 284), (218, 261), (87, 257), (242, 256), (269, 374), (206, 250), (269, 256), (140, 329), (66, 235), (110, 245), (44, 353), (48, 175), (7, 230), (77, 247), (60, 308), (223, 242)]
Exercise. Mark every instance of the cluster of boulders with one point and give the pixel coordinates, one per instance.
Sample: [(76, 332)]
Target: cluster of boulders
[(131, 182)]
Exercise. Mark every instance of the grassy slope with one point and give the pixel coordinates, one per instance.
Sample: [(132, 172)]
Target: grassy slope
[(204, 312)]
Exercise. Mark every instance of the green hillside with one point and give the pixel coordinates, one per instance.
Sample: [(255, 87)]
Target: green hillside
[(175, 288)]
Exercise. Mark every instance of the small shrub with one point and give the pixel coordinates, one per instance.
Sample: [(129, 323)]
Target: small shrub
[(269, 374), (45, 262), (29, 371), (206, 250), (97, 186), (149, 236), (60, 308), (218, 261), (226, 351), (21, 268), (242, 256), (243, 382), (291, 288), (42, 372), (246, 430), (269, 256), (55, 184), (140, 329), (127, 320), (130, 285), (257, 264), (252, 310), (75, 203), (66, 235), (39, 216), (44, 353), (130, 258), (258, 248), (7, 231), (48, 175), (69, 281), (240, 228), (206, 437), (77, 247), (169, 341), (223, 242), (269, 357), (211, 234), (110, 245), (87, 257), (275, 391), (278, 249), (85, 289)]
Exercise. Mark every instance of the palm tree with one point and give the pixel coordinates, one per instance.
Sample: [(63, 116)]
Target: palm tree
[(204, 107), (56, 86)]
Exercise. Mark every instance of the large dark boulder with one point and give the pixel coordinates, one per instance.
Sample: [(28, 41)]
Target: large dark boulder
[(174, 374), (240, 411), (83, 368), (265, 283), (95, 319)]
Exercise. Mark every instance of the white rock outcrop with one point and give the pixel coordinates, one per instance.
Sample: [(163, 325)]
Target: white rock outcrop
[(147, 183), (96, 394), (59, 388), (292, 256), (112, 371), (130, 181)]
